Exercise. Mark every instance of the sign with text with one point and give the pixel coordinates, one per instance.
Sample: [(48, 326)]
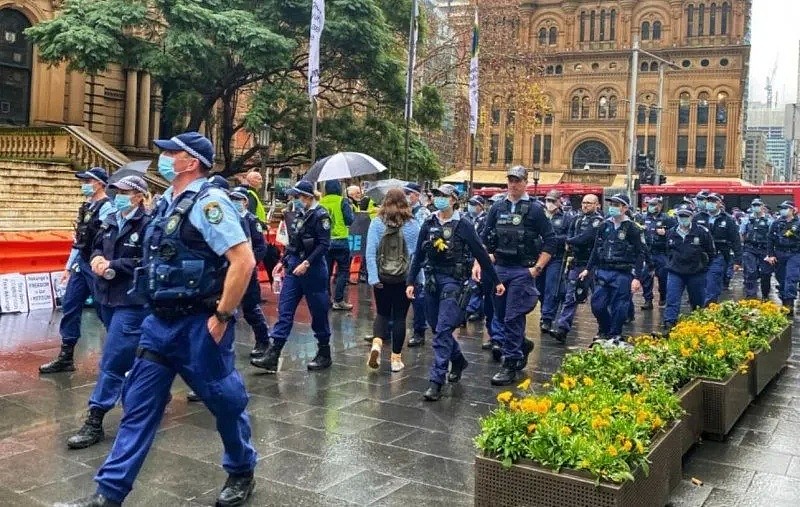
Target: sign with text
[(13, 298), (358, 233), (40, 293)]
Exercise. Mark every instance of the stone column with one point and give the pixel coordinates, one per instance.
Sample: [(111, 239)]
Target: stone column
[(131, 91), (143, 115), (155, 122)]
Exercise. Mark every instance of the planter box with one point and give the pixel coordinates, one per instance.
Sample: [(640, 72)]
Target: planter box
[(724, 401), (526, 483), (767, 364), (691, 396)]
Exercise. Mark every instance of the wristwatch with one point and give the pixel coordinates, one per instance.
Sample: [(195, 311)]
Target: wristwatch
[(223, 316)]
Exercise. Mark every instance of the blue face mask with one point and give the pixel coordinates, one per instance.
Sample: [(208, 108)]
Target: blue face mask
[(166, 167), (122, 202), (472, 209), (651, 209), (614, 211), (711, 207), (298, 205), (441, 203), (756, 209), (685, 221), (239, 205), (784, 212), (87, 189)]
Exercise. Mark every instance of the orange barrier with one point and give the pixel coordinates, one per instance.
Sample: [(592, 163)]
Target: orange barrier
[(355, 268), (34, 252)]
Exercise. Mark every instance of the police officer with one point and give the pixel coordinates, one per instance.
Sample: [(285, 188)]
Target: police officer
[(726, 242), (520, 238), (78, 274), (117, 252), (413, 192), (341, 215), (616, 259), (581, 237), (690, 248), (446, 246), (755, 238), (656, 225), (305, 273), (197, 263), (701, 216), (784, 252), (550, 285), (477, 214)]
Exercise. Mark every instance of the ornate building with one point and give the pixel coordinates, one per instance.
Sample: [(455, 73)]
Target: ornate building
[(585, 51)]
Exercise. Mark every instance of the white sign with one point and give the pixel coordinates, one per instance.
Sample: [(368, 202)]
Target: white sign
[(40, 293), (317, 25), (58, 289), (13, 298), (473, 80)]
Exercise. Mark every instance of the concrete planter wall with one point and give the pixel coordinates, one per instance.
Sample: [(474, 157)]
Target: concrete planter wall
[(767, 364)]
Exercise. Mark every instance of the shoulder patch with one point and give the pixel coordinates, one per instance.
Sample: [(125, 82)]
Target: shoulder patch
[(259, 228), (326, 223), (213, 212)]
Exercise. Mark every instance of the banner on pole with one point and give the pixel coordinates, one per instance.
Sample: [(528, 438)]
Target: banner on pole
[(317, 25), (412, 60), (473, 79)]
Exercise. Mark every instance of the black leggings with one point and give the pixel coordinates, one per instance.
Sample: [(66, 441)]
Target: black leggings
[(392, 305)]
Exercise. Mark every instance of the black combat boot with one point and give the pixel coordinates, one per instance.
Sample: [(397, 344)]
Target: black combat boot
[(456, 369), (417, 340), (95, 500), (61, 363), (192, 397), (90, 433), (507, 375), (527, 348), (559, 334), (433, 393), (322, 360), (269, 361), (544, 326), (259, 349), (236, 491), (789, 305), (497, 352)]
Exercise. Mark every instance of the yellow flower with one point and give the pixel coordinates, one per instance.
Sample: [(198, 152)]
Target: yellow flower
[(743, 369), (525, 384), (504, 397), (641, 416), (720, 353), (606, 411), (574, 407), (639, 447), (695, 343), (612, 451), (588, 382), (528, 405), (598, 422), (566, 431), (641, 379), (627, 446), (514, 405), (686, 352), (560, 407), (750, 356), (657, 422), (568, 382), (531, 428), (546, 385)]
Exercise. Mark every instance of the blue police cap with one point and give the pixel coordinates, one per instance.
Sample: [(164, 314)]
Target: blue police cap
[(446, 189), (477, 200), (193, 143), (303, 187), (715, 197), (684, 210), (619, 199), (95, 173), (757, 202), (131, 182), (412, 187), (219, 182), (239, 193), (654, 200), (703, 194), (786, 204)]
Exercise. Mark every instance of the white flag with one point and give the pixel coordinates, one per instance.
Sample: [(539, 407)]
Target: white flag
[(317, 24), (473, 79), (412, 61)]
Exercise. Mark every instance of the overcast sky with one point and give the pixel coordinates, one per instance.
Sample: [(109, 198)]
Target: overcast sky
[(775, 36)]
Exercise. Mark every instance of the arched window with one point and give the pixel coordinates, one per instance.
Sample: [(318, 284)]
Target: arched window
[(689, 20), (702, 109), (549, 70), (612, 30), (584, 108), (641, 114), (583, 26), (591, 25), (644, 67), (653, 66), (590, 152), (646, 30), (726, 12), (653, 114), (542, 36), (495, 115), (602, 24), (559, 70), (712, 21), (16, 64), (722, 108), (683, 108), (553, 36), (607, 105), (656, 30), (701, 19), (579, 109), (511, 113)]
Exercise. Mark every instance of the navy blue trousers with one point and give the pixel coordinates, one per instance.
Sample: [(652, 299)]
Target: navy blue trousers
[(512, 308), (693, 284), (659, 272), (715, 279), (444, 315), (314, 287), (80, 286), (611, 300)]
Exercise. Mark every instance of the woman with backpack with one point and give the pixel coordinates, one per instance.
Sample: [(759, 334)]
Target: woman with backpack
[(391, 239)]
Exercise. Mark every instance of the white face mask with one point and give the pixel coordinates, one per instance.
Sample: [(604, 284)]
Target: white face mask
[(551, 206)]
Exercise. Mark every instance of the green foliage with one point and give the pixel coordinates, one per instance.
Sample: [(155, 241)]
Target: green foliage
[(429, 108)]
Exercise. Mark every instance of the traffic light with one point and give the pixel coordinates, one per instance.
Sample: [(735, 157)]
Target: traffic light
[(662, 180)]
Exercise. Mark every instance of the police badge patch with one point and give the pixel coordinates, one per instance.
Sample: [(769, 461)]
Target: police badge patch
[(621, 235), (696, 241), (326, 223), (87, 217), (447, 233), (597, 223), (516, 220), (134, 237), (259, 228), (213, 212), (172, 224)]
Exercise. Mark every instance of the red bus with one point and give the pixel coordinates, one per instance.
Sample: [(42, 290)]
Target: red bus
[(736, 194)]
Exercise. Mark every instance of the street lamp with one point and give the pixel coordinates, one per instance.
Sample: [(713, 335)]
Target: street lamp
[(262, 139), (537, 173)]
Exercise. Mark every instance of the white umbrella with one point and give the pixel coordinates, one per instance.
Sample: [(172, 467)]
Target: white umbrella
[(343, 165), (378, 190)]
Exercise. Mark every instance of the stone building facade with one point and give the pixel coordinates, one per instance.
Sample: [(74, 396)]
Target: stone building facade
[(585, 52)]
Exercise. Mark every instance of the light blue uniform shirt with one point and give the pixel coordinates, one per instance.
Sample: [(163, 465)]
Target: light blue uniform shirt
[(223, 230), (106, 209)]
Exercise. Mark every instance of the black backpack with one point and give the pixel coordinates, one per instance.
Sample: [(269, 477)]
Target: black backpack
[(393, 259)]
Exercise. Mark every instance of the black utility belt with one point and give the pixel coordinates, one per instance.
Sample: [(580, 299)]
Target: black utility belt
[(185, 309), (616, 267), (509, 263)]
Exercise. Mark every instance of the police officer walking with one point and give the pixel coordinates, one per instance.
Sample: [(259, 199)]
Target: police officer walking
[(581, 237), (446, 246), (341, 216), (520, 238), (78, 274), (656, 225), (117, 252), (305, 273), (755, 239), (727, 242), (550, 285), (616, 259), (690, 248), (421, 213), (197, 263), (784, 252)]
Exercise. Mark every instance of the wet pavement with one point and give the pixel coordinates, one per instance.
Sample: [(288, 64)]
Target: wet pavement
[(345, 436)]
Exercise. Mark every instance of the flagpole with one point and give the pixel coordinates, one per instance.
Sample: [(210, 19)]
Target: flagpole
[(313, 130), (317, 24), (471, 162), (412, 54), (473, 99)]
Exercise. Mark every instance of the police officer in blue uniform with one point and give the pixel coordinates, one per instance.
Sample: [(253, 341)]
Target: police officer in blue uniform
[(520, 238), (727, 242), (784, 252), (616, 259), (550, 285), (413, 192), (581, 237), (196, 266), (117, 252), (446, 247), (305, 271), (701, 216), (656, 225), (755, 238), (78, 274), (477, 214), (690, 248)]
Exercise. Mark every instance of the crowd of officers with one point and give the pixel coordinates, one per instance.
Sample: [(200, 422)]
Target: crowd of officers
[(168, 278)]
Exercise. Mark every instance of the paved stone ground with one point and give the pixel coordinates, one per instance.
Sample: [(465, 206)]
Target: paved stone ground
[(346, 436)]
